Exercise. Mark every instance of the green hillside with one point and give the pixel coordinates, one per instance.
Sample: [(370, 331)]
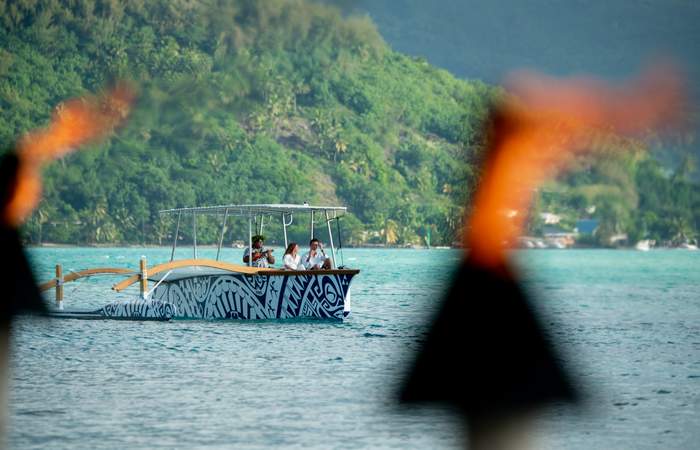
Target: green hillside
[(240, 101), (486, 39), (245, 101)]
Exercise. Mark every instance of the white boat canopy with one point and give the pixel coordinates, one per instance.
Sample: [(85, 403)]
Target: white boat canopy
[(285, 212), (257, 210)]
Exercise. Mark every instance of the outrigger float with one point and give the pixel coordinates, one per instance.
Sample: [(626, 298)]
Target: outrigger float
[(212, 289)]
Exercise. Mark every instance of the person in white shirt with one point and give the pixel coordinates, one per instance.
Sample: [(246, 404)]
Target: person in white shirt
[(292, 259), (316, 258)]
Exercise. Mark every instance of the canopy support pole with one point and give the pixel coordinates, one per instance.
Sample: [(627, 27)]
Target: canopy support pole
[(285, 224), (330, 238), (284, 227), (250, 241), (194, 234), (221, 238), (312, 224), (340, 242), (177, 230)]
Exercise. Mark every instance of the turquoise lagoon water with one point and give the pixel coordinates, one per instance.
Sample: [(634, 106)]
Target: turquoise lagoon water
[(628, 323)]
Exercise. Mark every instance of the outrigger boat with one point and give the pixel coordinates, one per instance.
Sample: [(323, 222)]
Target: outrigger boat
[(213, 289)]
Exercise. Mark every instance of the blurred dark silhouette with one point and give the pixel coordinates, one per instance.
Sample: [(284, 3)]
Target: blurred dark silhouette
[(20, 292), (75, 123), (487, 354)]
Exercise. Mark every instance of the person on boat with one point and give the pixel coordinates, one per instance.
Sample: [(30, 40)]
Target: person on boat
[(262, 257), (316, 258), (292, 258)]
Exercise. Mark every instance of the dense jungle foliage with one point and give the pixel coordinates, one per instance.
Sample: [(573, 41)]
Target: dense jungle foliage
[(287, 101)]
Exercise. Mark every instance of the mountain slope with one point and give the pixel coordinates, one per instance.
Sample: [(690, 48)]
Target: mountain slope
[(281, 101), (245, 101)]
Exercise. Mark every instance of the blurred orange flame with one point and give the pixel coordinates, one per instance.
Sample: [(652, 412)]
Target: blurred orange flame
[(535, 133), (74, 123)]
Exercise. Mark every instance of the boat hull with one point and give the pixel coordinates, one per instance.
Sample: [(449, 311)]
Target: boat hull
[(274, 296)]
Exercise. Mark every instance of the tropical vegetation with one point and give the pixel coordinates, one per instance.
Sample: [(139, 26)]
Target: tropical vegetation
[(243, 101)]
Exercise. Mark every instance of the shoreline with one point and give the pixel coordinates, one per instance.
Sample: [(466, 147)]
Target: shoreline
[(363, 247)]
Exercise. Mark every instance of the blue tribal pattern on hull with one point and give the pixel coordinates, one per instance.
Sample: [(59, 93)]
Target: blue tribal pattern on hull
[(138, 309), (239, 296)]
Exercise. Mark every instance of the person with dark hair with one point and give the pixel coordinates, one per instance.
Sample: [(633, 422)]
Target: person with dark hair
[(292, 258), (262, 257), (316, 258)]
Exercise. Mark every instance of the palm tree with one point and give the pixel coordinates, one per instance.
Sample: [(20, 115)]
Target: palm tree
[(41, 218)]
